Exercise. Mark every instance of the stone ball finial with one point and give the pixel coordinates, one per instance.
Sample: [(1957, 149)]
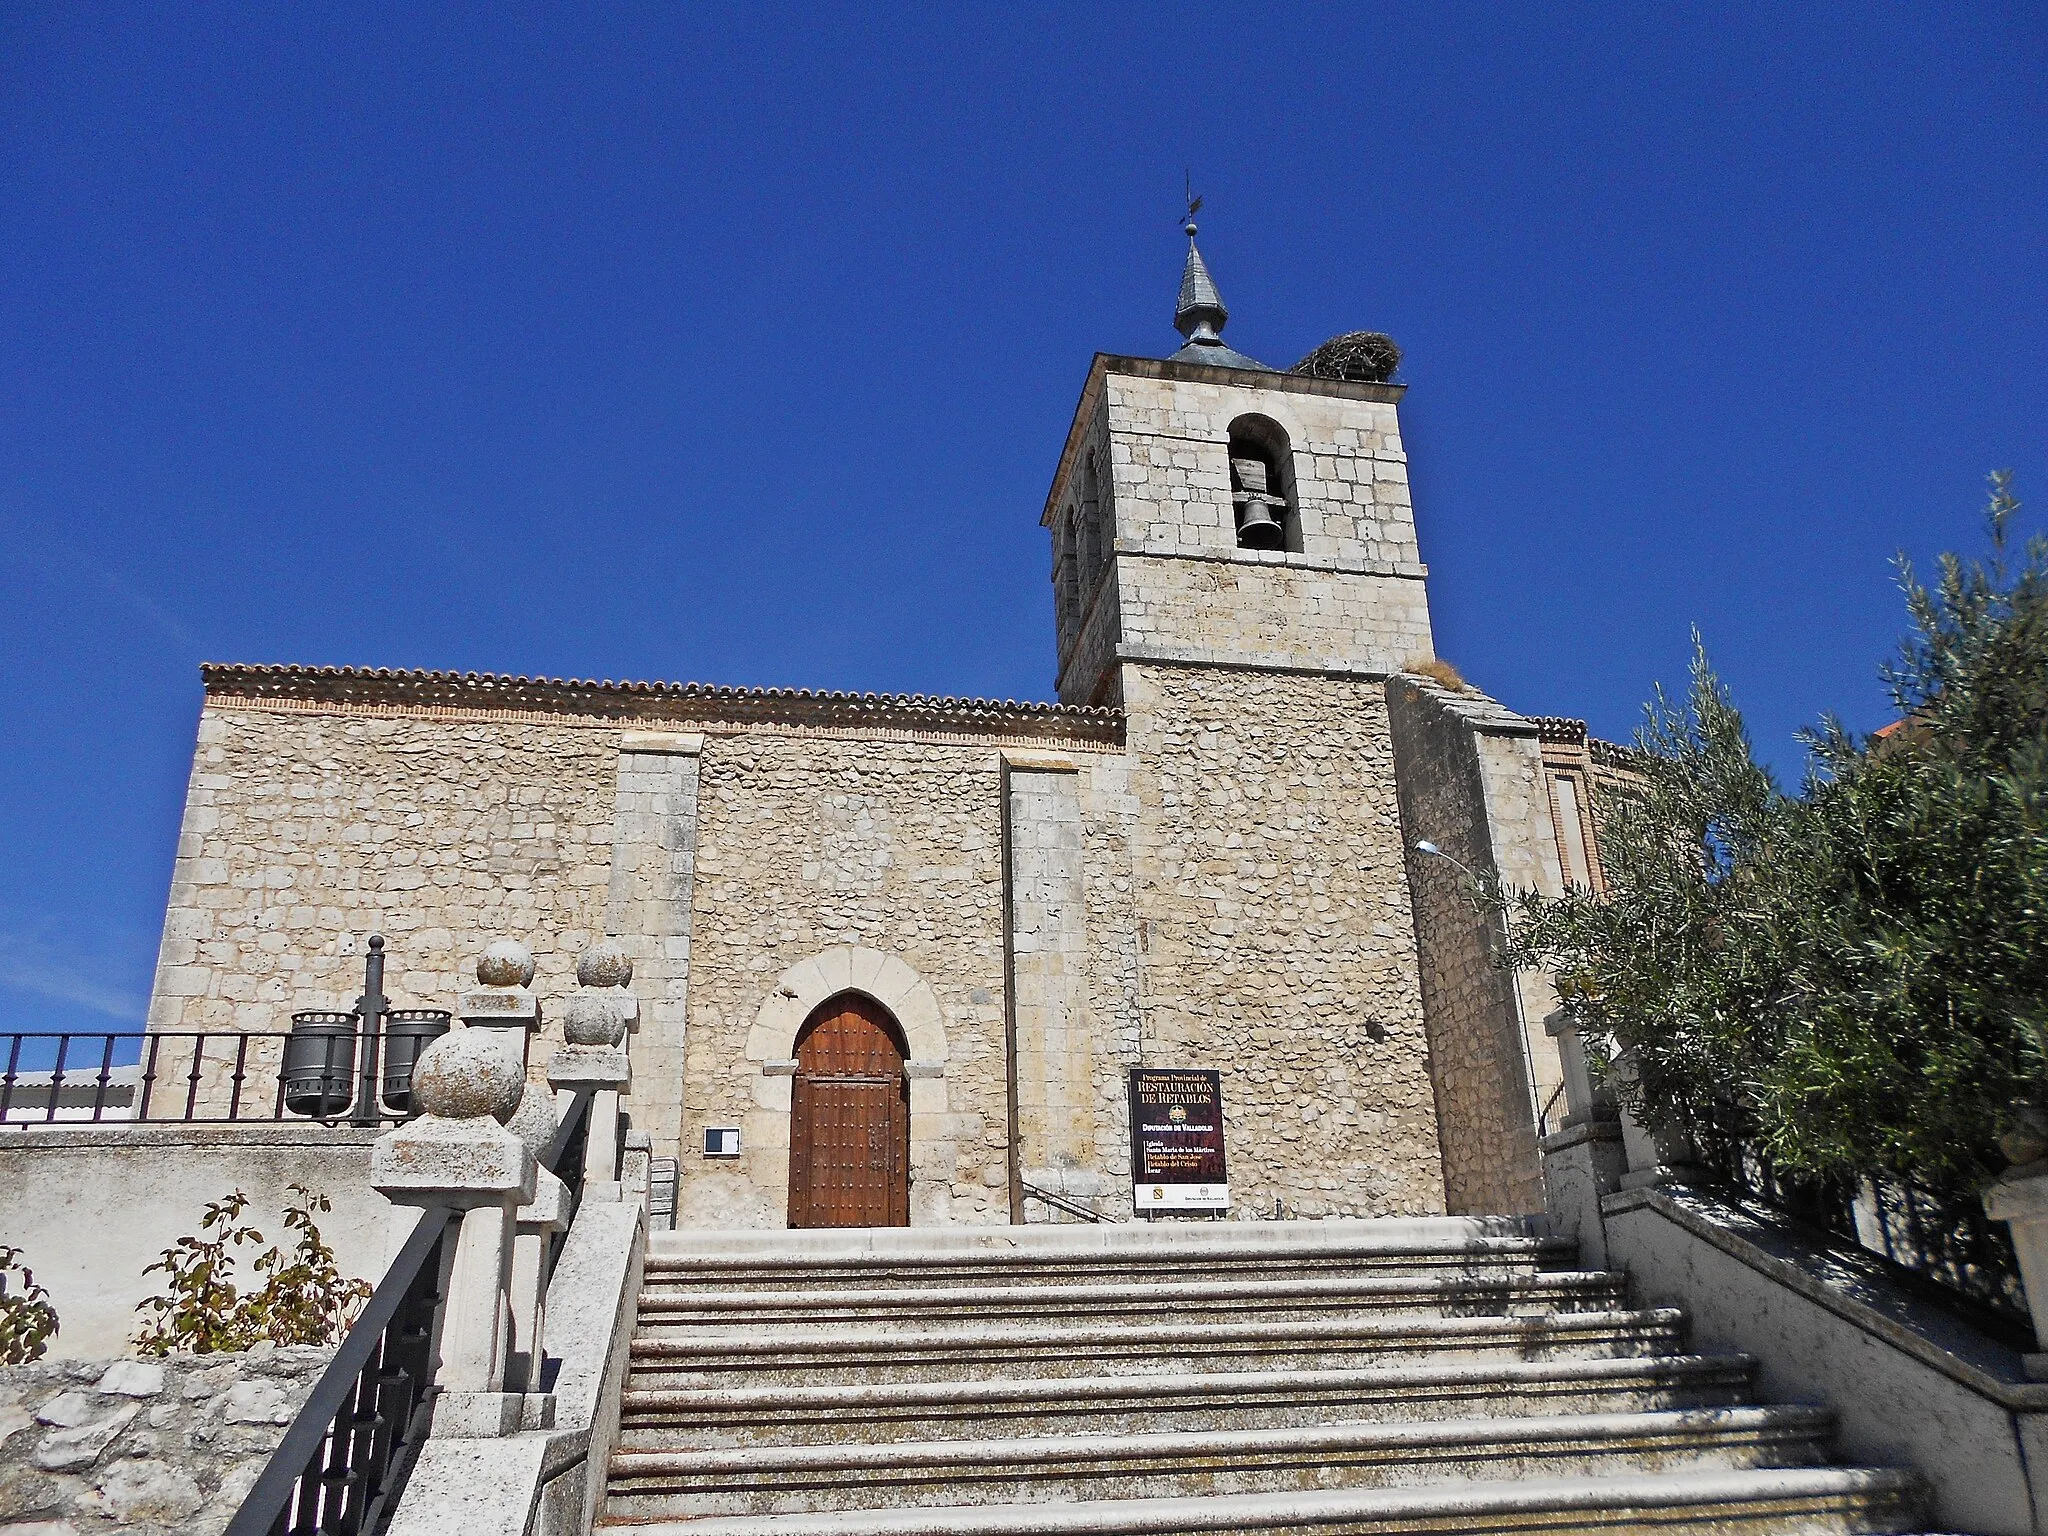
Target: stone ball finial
[(467, 1074), (534, 1122), (588, 1020), (605, 964), (505, 963)]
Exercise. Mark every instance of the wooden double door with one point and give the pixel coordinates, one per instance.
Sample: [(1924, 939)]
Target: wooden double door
[(849, 1134)]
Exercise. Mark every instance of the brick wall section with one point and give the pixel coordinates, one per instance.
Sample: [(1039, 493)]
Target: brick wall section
[(1055, 1049), (1471, 782), (1085, 623), (648, 907), (1087, 671), (1277, 940), (807, 844), (304, 833)]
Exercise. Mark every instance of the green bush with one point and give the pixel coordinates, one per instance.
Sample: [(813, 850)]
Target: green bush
[(27, 1320), (1852, 978), (304, 1298)]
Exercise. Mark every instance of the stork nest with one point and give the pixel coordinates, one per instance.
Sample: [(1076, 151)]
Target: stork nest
[(1363, 357)]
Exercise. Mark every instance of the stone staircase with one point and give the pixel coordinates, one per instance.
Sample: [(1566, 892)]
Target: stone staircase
[(1444, 1375)]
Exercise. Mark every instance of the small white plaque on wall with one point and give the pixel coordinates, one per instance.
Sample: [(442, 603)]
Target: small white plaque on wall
[(722, 1141)]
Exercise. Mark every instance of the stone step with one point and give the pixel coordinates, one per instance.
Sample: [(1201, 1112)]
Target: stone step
[(702, 1418), (1140, 1253), (1185, 1464), (663, 1307), (1050, 1349), (1778, 1502)]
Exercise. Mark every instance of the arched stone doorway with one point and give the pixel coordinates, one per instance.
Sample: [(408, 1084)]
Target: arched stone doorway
[(849, 1118)]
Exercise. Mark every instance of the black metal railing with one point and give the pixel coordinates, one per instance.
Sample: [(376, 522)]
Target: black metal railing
[(344, 1462), (1946, 1250), (71, 1076), (354, 1064), (563, 1157), (1061, 1203)]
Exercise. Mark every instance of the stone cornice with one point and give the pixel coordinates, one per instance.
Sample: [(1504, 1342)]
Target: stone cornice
[(699, 705), (1249, 378), (1560, 730), (1611, 754)]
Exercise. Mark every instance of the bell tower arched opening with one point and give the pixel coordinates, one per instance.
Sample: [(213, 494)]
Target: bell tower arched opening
[(1262, 485)]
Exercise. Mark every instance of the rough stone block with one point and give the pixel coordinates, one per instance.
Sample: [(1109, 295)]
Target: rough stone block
[(456, 1163)]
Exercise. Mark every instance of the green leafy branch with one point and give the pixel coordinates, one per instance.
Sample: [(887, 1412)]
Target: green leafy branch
[(27, 1319), (304, 1298)]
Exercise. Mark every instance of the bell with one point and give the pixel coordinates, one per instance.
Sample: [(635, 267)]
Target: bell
[(1256, 528)]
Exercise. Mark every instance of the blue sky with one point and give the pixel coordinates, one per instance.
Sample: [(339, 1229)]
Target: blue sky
[(737, 345)]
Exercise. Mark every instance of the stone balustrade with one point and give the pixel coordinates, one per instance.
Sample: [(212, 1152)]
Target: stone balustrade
[(476, 1150)]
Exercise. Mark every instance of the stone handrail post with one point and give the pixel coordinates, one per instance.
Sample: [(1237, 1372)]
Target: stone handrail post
[(636, 1167), (1654, 1157), (535, 1225), (1583, 1159), (596, 1021), (2020, 1200), (461, 1156), (1583, 1102)]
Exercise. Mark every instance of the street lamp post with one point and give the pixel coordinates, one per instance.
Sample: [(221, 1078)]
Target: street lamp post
[(370, 1008)]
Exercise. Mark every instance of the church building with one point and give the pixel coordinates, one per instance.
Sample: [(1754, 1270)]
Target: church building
[(913, 960)]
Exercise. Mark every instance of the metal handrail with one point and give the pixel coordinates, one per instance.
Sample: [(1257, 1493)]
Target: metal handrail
[(1061, 1202), (344, 1459), (125, 1090)]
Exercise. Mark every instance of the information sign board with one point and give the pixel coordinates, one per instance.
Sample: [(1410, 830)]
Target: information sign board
[(1177, 1140)]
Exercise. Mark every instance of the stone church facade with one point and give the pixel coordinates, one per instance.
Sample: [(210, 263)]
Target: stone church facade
[(1204, 856)]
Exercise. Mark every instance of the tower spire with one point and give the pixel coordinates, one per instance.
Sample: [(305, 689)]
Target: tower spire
[(1199, 315)]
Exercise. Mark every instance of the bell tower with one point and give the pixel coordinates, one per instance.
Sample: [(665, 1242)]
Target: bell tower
[(1210, 509), (1236, 570)]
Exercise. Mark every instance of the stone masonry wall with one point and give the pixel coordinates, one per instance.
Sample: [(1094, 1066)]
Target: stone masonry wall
[(803, 845), (1278, 944), (145, 1446), (1270, 610), (1171, 461), (1471, 783), (1110, 808), (1055, 1047), (304, 832), (93, 1206), (648, 907), (1351, 598)]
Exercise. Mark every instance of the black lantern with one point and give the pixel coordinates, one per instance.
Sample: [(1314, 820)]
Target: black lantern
[(407, 1032), (319, 1064)]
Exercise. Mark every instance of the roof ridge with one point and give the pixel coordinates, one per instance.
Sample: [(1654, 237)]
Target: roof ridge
[(398, 685)]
